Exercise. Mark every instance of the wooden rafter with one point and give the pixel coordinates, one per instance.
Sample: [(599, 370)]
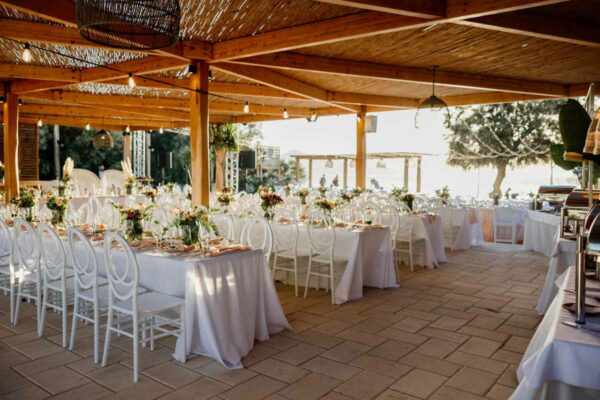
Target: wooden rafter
[(537, 25), (270, 78), (427, 9), (103, 111), (408, 74), (477, 8), (145, 65), (20, 71)]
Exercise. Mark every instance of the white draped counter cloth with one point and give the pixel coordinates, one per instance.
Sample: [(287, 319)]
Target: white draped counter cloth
[(468, 222), (230, 300), (428, 228), (562, 257), (561, 362), (541, 232), (370, 260)]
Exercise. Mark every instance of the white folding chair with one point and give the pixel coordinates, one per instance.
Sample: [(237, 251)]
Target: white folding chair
[(388, 216), (8, 276), (29, 277), (505, 218), (257, 234), (90, 291), (147, 311), (55, 294), (286, 233), (321, 234)]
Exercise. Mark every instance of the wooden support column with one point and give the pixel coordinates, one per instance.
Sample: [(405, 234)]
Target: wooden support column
[(419, 175), (361, 149), (127, 147), (310, 162), (406, 173), (10, 111), (345, 173), (200, 167)]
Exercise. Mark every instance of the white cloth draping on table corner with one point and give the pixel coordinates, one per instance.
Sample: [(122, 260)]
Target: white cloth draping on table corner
[(541, 232), (563, 256)]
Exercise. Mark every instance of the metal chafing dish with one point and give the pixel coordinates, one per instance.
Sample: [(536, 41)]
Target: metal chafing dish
[(576, 212), (555, 195)]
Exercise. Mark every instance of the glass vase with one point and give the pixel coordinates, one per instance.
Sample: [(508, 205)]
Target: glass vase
[(58, 217), (134, 229), (189, 234)]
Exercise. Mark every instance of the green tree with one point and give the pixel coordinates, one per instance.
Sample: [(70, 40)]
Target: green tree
[(77, 144), (501, 135), (285, 176)]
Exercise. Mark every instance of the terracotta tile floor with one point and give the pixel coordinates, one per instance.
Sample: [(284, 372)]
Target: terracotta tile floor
[(457, 332)]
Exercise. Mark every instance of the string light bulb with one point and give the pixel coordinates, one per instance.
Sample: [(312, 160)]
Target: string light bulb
[(313, 117), (88, 126), (127, 129), (286, 115), (26, 56), (131, 81), (161, 130), (246, 108), (40, 123)]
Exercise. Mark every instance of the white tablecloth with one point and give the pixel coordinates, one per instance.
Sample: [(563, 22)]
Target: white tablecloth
[(370, 260), (541, 232), (563, 256), (230, 300), (468, 222), (429, 229), (560, 355)]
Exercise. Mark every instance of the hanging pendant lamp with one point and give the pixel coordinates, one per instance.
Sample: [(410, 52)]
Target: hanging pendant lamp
[(432, 103), (129, 24)]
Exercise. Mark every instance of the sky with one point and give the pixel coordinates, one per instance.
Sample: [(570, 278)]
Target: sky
[(396, 132)]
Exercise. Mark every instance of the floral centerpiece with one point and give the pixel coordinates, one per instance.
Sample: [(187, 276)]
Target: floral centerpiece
[(151, 194), (326, 205), (67, 176), (225, 198), (347, 196), (169, 187), (263, 189), (269, 200), (1, 171), (303, 194), (322, 190), (26, 200), (287, 190), (58, 205), (402, 195), (189, 221), (130, 180), (358, 191), (133, 218), (444, 195)]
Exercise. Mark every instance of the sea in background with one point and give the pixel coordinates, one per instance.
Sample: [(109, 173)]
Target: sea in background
[(396, 132)]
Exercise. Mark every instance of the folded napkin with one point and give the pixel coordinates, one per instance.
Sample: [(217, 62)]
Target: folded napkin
[(229, 250)]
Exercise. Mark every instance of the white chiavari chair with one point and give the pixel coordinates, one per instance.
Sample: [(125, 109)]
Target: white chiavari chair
[(405, 241), (322, 259), (388, 216), (8, 277), (257, 233), (226, 225), (90, 295), (145, 311), (57, 288), (286, 233), (29, 276)]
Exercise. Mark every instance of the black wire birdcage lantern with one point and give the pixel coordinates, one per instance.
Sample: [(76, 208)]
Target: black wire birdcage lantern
[(129, 24), (432, 103), (103, 140)]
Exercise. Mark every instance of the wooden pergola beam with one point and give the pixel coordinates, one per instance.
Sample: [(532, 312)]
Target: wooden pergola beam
[(427, 9), (462, 9), (106, 112), (147, 65), (301, 62), (20, 71), (276, 80), (328, 31), (542, 26), (60, 11)]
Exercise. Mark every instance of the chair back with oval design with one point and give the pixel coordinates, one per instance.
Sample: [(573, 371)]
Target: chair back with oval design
[(6, 245), (53, 253), (257, 233), (85, 260), (27, 246), (321, 233), (285, 229), (122, 269)]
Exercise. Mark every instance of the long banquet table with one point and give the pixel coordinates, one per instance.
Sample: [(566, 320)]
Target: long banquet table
[(230, 300), (561, 362), (429, 229), (541, 232)]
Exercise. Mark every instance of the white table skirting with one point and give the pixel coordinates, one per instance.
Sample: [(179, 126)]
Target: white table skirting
[(430, 230), (560, 353), (467, 220), (563, 256), (230, 300), (541, 232)]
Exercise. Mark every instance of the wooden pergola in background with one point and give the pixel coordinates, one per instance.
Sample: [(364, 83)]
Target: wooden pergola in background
[(345, 158), (308, 57)]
